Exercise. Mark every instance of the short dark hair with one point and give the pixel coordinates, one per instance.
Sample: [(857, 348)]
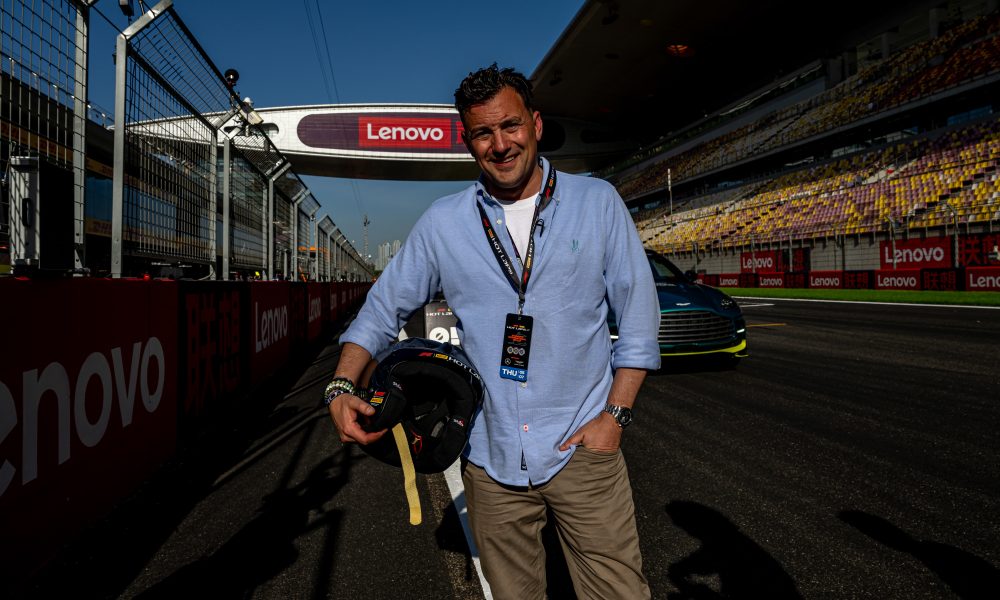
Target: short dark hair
[(482, 85)]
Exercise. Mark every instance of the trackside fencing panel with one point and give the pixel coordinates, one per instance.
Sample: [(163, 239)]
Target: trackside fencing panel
[(43, 91), (166, 174), (88, 405)]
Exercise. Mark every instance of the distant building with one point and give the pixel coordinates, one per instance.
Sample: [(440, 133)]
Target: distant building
[(386, 251)]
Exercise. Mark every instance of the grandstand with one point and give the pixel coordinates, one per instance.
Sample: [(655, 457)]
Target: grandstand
[(904, 148)]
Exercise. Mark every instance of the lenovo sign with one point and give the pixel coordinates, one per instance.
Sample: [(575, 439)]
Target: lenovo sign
[(899, 279), (934, 253), (982, 279), (826, 279), (379, 132), (395, 132)]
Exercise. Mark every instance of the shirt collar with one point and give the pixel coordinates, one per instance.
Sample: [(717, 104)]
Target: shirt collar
[(481, 192)]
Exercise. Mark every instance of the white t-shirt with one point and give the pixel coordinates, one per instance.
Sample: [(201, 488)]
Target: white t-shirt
[(518, 214)]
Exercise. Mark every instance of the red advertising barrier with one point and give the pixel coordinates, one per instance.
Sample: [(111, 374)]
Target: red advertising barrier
[(709, 279), (771, 280), (774, 261), (979, 250), (939, 280), (859, 280), (317, 299), (930, 253), (729, 280), (297, 300), (982, 279), (899, 279), (830, 280), (333, 302), (269, 332), (212, 342), (87, 405)]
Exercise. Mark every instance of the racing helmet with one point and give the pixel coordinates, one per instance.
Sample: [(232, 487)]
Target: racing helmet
[(432, 389)]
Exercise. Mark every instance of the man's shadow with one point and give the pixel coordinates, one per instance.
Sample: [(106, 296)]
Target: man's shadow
[(265, 545), (728, 564), (966, 574)]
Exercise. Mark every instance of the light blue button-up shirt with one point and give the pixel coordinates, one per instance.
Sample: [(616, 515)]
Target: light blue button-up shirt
[(588, 258)]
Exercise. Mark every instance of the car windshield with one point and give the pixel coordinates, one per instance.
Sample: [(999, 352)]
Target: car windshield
[(665, 271)]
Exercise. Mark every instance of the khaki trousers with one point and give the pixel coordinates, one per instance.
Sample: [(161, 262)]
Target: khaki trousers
[(591, 500)]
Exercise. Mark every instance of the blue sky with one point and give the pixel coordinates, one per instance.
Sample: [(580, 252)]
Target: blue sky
[(381, 51)]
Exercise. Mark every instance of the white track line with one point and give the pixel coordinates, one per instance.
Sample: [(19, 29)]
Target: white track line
[(868, 302), (453, 477)]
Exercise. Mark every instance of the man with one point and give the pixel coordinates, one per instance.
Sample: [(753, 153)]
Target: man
[(530, 262)]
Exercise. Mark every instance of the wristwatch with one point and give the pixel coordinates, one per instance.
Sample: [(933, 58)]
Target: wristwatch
[(339, 385), (622, 414)]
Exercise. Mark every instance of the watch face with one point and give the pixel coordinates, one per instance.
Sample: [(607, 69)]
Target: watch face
[(625, 417)]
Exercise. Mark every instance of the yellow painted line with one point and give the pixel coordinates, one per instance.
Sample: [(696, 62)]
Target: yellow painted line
[(768, 325)]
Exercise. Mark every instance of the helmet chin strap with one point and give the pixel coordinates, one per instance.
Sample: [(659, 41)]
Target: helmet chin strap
[(409, 474)]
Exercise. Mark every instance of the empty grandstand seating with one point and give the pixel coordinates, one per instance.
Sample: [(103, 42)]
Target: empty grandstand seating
[(934, 181), (964, 53)]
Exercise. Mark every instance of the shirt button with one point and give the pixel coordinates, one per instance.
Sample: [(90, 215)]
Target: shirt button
[(499, 221)]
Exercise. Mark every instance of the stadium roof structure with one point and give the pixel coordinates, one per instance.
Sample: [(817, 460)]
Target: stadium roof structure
[(650, 67)]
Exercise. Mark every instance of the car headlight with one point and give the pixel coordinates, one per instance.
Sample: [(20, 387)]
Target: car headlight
[(727, 303)]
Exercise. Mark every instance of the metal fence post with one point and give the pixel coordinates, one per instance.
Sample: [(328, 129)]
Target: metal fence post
[(80, 131)]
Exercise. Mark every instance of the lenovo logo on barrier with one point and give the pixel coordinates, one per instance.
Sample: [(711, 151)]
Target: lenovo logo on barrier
[(824, 281), (270, 326), (122, 376), (899, 282), (399, 132), (729, 281), (983, 279)]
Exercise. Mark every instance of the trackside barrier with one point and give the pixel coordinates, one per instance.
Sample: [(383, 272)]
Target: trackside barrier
[(859, 280), (830, 280), (729, 280), (982, 279), (88, 405), (103, 381), (897, 279), (771, 280), (940, 280)]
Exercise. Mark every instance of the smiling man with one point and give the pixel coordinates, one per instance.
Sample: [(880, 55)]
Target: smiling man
[(530, 261)]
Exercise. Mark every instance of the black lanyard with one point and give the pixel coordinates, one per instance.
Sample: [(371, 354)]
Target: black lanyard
[(520, 286)]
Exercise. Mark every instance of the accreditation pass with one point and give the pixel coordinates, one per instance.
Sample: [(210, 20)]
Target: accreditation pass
[(516, 342)]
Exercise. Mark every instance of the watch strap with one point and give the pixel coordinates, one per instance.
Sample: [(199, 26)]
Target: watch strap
[(621, 414)]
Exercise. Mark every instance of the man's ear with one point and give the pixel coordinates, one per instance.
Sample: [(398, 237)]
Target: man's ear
[(467, 142), (537, 116)]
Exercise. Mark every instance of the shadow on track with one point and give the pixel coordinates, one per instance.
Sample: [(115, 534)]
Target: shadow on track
[(966, 574), (266, 545), (728, 564), (686, 365), (107, 556)]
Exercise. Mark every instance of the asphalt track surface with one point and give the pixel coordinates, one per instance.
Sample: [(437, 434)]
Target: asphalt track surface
[(853, 455)]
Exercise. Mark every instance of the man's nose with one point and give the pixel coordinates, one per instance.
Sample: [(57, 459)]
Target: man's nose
[(500, 143)]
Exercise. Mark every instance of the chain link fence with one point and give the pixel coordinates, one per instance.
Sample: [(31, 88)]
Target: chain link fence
[(181, 180)]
